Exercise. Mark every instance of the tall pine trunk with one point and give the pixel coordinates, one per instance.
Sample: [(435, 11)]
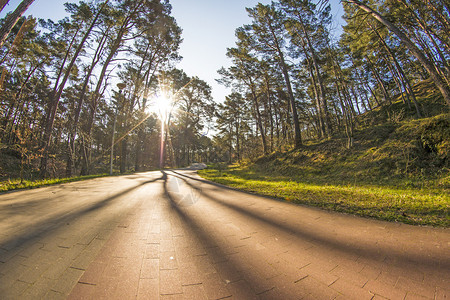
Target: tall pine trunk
[(12, 19), (3, 4), (428, 65)]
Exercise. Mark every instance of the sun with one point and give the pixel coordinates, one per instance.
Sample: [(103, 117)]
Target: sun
[(162, 106)]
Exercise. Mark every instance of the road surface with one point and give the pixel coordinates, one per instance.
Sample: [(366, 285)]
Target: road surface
[(172, 235)]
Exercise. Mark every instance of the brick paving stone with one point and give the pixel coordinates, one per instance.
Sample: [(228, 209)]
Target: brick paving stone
[(288, 287), (297, 260), (416, 287), (40, 256), (272, 294), (262, 269), (83, 260), (316, 288), (88, 237), (350, 291), (152, 250), (190, 275), (442, 293), (388, 279), (170, 282), (259, 285), (83, 291), (227, 245), (380, 289), (8, 254), (168, 261), (127, 284), (14, 290), (196, 291), (65, 283), (34, 273), (12, 279), (241, 290), (167, 246), (60, 265), (215, 288), (438, 279), (150, 269), (228, 272), (371, 273), (29, 251), (53, 295), (412, 296), (38, 290), (94, 273), (172, 297), (148, 289), (353, 277), (204, 264)]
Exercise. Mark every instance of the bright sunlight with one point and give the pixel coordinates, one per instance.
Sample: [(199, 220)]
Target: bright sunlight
[(162, 106)]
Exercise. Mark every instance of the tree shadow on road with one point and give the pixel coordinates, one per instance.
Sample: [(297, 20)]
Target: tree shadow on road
[(29, 235), (375, 253), (249, 283)]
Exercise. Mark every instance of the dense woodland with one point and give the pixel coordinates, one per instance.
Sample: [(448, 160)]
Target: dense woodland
[(71, 88)]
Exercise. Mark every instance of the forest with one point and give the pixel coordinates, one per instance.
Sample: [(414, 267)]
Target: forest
[(81, 95)]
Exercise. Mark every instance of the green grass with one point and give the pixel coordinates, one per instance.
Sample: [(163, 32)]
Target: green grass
[(398, 169), (15, 184), (418, 206)]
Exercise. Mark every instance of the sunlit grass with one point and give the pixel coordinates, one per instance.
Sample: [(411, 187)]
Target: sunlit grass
[(424, 206), (15, 184)]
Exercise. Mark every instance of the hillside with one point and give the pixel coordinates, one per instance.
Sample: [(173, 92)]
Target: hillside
[(405, 152), (398, 168)]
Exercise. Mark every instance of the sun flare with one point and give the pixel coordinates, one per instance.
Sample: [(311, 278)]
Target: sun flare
[(162, 106)]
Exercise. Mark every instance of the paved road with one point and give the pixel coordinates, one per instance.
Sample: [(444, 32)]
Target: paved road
[(171, 235)]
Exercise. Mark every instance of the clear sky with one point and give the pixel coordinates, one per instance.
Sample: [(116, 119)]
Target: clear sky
[(208, 30)]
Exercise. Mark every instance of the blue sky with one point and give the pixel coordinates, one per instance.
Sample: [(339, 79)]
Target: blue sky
[(208, 29)]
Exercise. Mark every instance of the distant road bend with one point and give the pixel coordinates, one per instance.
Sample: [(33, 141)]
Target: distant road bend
[(173, 235)]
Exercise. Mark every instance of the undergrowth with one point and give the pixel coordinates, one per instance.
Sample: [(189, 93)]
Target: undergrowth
[(397, 170)]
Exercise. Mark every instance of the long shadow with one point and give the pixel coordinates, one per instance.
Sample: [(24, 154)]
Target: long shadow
[(41, 230), (222, 186), (205, 238), (367, 252)]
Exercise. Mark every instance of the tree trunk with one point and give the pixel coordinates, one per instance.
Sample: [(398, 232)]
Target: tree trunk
[(123, 155), (51, 114), (15, 100), (387, 97), (429, 66), (12, 19), (297, 131), (3, 4), (238, 145), (323, 103), (284, 70), (74, 128), (321, 132), (122, 30), (397, 75), (259, 122), (95, 98), (55, 100), (367, 87), (430, 33)]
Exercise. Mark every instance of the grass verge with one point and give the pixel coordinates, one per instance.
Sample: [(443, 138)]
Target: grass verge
[(417, 206), (9, 185)]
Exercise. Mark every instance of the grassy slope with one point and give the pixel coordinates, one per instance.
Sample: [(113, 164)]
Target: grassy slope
[(398, 169)]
